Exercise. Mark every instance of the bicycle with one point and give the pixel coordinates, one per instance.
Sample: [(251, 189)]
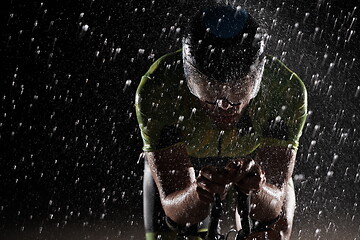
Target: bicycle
[(243, 203)]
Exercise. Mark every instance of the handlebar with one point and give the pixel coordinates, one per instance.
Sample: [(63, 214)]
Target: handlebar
[(215, 215), (243, 204)]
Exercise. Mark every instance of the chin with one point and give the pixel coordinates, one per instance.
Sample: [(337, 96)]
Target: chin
[(224, 119)]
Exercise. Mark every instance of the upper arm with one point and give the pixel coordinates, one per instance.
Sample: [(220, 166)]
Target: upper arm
[(171, 169), (156, 105), (296, 115), (153, 112), (283, 114)]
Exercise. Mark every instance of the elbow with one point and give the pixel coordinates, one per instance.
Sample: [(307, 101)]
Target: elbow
[(185, 208), (268, 204), (272, 211), (183, 214), (187, 218), (276, 206), (276, 203)]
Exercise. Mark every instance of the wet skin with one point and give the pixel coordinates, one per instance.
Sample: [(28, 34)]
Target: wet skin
[(224, 114), (182, 202), (186, 198)]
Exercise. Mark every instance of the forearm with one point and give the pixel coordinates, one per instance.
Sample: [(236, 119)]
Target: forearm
[(278, 164), (185, 207), (267, 202)]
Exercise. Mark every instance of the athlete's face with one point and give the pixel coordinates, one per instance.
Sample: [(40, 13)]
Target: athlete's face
[(224, 102), (223, 112)]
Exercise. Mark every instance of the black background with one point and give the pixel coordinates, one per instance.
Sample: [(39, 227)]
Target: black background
[(69, 164)]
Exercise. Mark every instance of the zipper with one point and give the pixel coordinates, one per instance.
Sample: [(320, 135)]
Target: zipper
[(220, 138)]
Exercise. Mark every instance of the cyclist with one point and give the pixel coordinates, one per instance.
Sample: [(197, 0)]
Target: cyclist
[(221, 106)]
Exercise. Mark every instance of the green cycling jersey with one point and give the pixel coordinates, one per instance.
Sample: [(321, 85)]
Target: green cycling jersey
[(169, 114)]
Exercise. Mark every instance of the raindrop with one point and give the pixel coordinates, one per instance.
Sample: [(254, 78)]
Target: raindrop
[(357, 178), (330, 174), (141, 51), (352, 63), (357, 91), (312, 144), (35, 25), (317, 169), (306, 17), (316, 129), (141, 156), (315, 33), (193, 111), (350, 35), (331, 66), (299, 177), (329, 90), (335, 158), (127, 84), (10, 17), (353, 12), (85, 27)]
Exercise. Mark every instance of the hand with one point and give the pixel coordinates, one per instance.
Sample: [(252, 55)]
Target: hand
[(212, 180), (246, 175)]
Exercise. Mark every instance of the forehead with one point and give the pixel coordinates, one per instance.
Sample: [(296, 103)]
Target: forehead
[(239, 89), (225, 77), (238, 84)]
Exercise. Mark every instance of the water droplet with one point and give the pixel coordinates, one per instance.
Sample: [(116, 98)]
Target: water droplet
[(85, 27)]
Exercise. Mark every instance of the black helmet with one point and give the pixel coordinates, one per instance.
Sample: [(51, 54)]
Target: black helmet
[(222, 50)]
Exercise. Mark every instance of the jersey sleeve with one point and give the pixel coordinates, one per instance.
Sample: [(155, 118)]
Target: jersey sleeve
[(296, 117), (285, 110), (154, 109)]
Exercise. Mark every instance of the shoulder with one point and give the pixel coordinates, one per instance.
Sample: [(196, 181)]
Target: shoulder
[(161, 77), (158, 101), (281, 82), (168, 64), (280, 88), (279, 110)]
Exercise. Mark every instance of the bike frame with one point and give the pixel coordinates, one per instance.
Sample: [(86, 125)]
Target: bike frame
[(243, 204)]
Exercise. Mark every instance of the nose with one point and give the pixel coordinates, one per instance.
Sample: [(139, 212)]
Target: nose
[(223, 104)]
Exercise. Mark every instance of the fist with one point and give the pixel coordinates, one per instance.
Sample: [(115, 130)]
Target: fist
[(246, 175), (211, 180)]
